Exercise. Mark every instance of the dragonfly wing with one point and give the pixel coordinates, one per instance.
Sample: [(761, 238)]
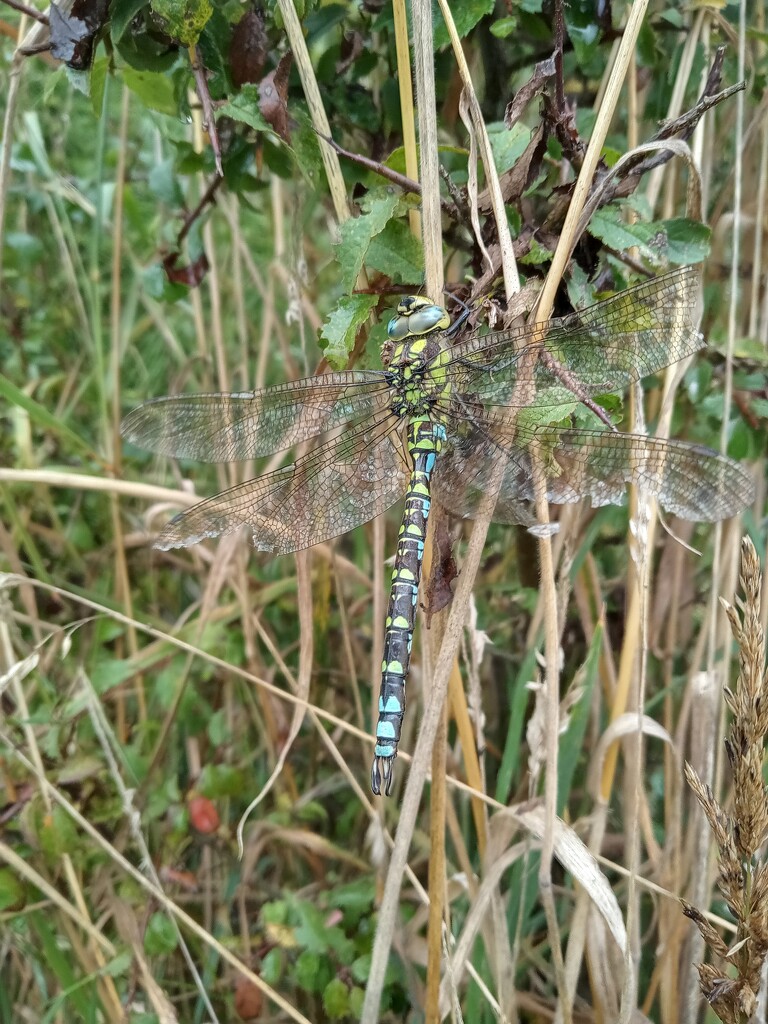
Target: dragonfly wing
[(246, 425), (465, 480), (598, 350), (689, 480), (346, 481)]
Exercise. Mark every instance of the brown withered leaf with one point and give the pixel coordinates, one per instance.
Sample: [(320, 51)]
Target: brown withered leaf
[(438, 593), (191, 274), (351, 48), (533, 87), (273, 97), (248, 48), (561, 123), (249, 1000), (73, 33), (517, 179)]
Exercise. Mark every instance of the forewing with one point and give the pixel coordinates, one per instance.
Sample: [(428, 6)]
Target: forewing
[(336, 486), (689, 480), (603, 348), (230, 427)]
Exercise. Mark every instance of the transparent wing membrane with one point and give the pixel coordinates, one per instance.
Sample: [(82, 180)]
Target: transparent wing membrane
[(598, 350), (328, 491), (688, 480), (484, 386), (234, 427)]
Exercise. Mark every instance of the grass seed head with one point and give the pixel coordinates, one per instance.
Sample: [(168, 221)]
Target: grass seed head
[(740, 834)]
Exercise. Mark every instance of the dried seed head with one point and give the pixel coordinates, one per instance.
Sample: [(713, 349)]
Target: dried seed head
[(740, 835), (711, 937)]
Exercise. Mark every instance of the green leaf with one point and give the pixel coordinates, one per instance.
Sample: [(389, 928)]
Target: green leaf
[(751, 348), (219, 729), (160, 937), (336, 999), (245, 107), (162, 799), (99, 70), (397, 252), (503, 27), (356, 1000), (27, 248), (214, 46), (157, 285), (312, 932), (306, 150), (608, 225), (679, 240), (275, 912), (184, 19), (558, 404), (221, 780), (355, 899), (144, 52), (688, 241), (121, 15), (672, 16), (361, 968), (12, 893), (739, 441), (57, 834), (313, 813), (507, 144), (357, 232), (537, 254), (154, 90), (337, 337), (307, 972), (583, 30), (272, 966), (118, 965), (465, 15), (110, 673), (164, 181)]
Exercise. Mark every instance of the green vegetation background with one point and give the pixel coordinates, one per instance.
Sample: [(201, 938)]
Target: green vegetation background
[(147, 688)]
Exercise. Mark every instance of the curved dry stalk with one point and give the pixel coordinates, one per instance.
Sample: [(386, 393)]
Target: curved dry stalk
[(508, 264), (316, 108)]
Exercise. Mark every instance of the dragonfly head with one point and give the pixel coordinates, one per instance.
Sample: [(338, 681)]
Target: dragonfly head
[(415, 317)]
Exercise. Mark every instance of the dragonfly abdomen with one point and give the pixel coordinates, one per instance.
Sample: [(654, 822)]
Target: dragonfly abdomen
[(424, 440)]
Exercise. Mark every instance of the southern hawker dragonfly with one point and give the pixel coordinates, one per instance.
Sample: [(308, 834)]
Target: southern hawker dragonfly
[(450, 422)]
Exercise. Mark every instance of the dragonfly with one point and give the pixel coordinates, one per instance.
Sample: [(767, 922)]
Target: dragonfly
[(476, 425)]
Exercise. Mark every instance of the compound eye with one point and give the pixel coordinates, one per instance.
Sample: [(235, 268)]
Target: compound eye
[(428, 318), (399, 328)]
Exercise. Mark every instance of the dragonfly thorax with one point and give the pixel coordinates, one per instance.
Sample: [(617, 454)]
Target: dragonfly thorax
[(416, 376), (415, 340)]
